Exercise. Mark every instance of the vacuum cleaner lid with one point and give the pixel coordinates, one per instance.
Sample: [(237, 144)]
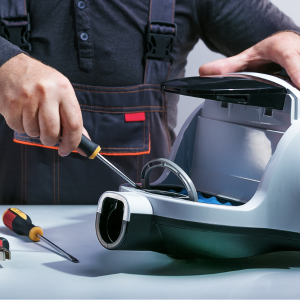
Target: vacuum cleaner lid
[(238, 89)]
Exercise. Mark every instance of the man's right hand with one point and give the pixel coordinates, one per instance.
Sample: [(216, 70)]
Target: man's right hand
[(38, 100)]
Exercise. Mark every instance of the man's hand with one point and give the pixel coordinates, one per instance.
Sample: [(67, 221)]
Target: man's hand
[(282, 49), (40, 101)]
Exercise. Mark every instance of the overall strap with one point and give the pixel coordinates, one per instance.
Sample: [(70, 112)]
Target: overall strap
[(15, 23), (161, 34)]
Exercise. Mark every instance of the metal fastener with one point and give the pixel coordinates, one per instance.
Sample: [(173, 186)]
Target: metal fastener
[(84, 36), (81, 4)]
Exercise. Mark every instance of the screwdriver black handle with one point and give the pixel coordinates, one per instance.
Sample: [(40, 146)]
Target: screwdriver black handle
[(21, 224), (89, 148)]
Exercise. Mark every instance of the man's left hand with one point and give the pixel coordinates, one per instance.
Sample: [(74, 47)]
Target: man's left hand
[(282, 48)]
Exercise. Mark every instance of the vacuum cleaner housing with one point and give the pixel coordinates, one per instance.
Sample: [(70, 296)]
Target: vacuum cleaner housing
[(242, 145)]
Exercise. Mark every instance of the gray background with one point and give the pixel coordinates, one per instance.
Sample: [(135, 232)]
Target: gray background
[(201, 55)]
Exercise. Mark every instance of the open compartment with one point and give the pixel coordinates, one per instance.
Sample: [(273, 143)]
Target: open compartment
[(241, 146), (226, 144)]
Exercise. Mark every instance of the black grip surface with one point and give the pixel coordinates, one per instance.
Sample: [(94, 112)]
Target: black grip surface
[(87, 146), (21, 226)]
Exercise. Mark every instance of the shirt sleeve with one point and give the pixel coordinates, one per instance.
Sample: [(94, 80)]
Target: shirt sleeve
[(7, 50), (231, 26)]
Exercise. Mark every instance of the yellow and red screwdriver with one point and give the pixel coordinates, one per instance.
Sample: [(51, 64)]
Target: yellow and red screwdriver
[(21, 224)]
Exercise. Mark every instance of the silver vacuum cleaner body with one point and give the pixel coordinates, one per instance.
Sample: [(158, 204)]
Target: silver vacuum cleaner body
[(242, 145)]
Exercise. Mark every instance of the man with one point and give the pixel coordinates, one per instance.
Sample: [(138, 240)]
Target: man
[(99, 47)]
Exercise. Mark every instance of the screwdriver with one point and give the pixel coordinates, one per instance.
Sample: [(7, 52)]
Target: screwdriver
[(21, 224), (91, 150), (4, 249)]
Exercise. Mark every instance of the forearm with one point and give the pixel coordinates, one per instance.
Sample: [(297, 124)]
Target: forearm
[(7, 50)]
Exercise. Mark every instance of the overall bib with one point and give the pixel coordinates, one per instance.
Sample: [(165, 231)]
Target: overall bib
[(129, 123)]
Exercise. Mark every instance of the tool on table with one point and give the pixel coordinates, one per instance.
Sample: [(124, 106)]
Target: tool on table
[(4, 249), (91, 150), (20, 223)]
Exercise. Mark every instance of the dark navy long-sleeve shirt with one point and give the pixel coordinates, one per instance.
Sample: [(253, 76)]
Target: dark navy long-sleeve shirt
[(118, 36), (118, 33)]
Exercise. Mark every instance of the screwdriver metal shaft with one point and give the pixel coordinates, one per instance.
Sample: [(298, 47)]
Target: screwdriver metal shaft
[(59, 250), (103, 159), (91, 150)]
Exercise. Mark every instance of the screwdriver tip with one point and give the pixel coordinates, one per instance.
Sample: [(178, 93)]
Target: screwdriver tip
[(74, 260), (71, 258)]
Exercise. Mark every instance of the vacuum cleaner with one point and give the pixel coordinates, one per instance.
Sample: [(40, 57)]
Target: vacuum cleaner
[(241, 148)]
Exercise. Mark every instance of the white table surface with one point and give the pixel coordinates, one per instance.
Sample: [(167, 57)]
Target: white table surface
[(35, 272)]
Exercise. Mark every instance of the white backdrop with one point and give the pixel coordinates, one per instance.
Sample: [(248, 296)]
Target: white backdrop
[(201, 55)]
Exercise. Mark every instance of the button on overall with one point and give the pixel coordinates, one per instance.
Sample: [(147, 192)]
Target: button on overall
[(81, 4), (84, 36)]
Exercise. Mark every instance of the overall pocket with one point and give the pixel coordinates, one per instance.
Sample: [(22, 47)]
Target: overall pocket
[(117, 118)]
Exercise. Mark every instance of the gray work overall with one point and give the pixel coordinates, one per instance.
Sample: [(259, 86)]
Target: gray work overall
[(130, 124)]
